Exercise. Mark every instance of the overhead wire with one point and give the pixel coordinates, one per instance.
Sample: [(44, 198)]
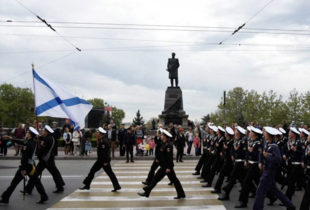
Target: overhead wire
[(157, 40), (161, 29), (48, 25), (156, 25), (240, 27)]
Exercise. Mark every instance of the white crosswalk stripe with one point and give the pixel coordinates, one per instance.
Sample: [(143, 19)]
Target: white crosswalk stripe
[(130, 177)]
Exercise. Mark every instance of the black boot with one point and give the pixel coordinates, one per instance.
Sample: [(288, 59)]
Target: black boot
[(42, 200), (58, 191), (241, 205), (216, 191), (127, 161), (143, 194), (26, 192), (272, 201), (85, 188), (224, 197), (196, 173), (177, 198), (207, 185), (115, 189), (170, 183)]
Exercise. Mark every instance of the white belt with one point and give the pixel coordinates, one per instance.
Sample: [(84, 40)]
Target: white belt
[(296, 163), (239, 160), (252, 162)]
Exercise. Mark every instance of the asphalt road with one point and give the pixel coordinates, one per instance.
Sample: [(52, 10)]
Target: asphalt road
[(74, 172)]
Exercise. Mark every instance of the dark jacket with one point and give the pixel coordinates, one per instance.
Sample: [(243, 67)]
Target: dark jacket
[(103, 151), (165, 155), (157, 145), (46, 148), (129, 139), (180, 140), (27, 153), (56, 134), (121, 134)]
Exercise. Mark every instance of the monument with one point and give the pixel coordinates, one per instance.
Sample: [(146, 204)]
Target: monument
[(173, 109)]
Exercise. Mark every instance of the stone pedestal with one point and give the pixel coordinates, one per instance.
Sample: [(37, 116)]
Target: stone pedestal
[(173, 109)]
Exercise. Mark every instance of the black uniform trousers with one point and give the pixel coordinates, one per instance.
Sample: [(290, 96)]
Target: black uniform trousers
[(18, 178), (250, 182), (201, 161), (151, 174), (207, 166), (180, 151), (160, 174), (56, 147), (107, 169), (129, 150), (51, 167), (305, 203), (122, 148), (237, 173), (216, 167), (293, 176), (225, 171)]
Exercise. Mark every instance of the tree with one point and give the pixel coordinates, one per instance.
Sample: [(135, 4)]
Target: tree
[(305, 109), (106, 118), (138, 120), (16, 105), (294, 104), (205, 120), (118, 116), (96, 102)]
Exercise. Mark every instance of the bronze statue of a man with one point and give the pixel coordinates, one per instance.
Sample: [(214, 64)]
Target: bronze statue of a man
[(172, 68)]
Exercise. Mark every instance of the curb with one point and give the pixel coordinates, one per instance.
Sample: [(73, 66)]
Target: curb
[(95, 158)]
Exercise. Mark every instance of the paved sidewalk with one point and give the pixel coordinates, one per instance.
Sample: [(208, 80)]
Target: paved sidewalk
[(93, 155)]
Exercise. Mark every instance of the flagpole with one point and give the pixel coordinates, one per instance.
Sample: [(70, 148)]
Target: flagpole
[(35, 106)]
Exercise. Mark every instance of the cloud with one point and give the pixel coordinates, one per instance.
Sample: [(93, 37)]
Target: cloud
[(134, 80)]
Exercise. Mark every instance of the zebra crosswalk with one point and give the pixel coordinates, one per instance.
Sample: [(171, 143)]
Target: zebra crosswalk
[(130, 176)]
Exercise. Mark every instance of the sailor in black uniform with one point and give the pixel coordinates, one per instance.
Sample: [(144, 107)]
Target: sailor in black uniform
[(103, 161)]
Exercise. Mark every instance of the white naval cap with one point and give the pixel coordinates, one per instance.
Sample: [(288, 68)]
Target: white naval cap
[(101, 130), (282, 130), (49, 129), (241, 130), (165, 132), (221, 129), (271, 131), (256, 130), (294, 130), (214, 128), (249, 128), (34, 131), (229, 131), (305, 131)]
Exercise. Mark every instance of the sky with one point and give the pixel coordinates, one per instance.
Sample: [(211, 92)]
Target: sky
[(126, 64)]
